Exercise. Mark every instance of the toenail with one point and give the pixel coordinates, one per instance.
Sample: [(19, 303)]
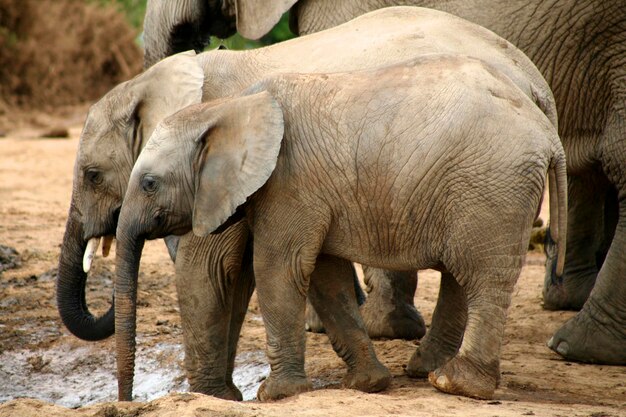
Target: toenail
[(551, 342), (563, 348)]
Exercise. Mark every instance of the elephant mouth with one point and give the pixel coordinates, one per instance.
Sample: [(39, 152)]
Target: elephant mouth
[(92, 248)]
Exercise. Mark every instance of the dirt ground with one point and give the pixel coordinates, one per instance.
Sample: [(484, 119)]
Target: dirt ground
[(44, 370)]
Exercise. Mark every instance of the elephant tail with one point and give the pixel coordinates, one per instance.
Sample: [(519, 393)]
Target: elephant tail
[(557, 188)]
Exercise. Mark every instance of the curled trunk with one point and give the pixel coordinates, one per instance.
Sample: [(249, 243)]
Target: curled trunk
[(71, 283)]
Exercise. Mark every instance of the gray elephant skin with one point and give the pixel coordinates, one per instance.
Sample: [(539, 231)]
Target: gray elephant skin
[(217, 277), (400, 168), (580, 47)]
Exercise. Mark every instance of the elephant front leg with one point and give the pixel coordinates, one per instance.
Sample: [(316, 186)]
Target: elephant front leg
[(242, 291), (388, 310), (333, 296), (282, 280), (445, 335), (592, 215), (597, 333), (207, 282)]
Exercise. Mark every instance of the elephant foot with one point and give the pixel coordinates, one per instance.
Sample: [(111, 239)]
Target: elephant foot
[(583, 339), (274, 388), (563, 294), (236, 394), (459, 376), (401, 322), (371, 378), (425, 361), (313, 323), (227, 392)]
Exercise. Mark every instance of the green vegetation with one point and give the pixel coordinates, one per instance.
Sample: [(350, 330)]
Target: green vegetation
[(134, 10), (279, 33)]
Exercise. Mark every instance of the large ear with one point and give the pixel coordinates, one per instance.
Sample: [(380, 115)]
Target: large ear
[(255, 18), (167, 87), (237, 154)]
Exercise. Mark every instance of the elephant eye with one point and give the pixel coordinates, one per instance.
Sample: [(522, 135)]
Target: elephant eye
[(148, 184), (93, 176)]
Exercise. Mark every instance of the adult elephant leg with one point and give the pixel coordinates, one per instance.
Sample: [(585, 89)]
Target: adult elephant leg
[(332, 294), (388, 310), (445, 335), (588, 230), (207, 273), (597, 333)]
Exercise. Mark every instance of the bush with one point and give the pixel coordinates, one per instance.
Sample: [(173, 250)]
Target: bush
[(60, 52)]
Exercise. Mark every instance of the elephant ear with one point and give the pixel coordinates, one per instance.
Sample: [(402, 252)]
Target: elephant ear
[(141, 103), (238, 151), (167, 87), (255, 18)]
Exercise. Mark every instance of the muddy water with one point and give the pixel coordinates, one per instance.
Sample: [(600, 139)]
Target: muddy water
[(78, 376)]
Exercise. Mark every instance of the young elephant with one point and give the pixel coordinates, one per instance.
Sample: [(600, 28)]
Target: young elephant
[(213, 278), (436, 163)]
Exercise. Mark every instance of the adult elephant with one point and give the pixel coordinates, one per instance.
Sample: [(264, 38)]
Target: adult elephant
[(580, 47)]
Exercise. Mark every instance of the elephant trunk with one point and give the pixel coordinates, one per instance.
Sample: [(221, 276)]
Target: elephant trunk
[(128, 256), (71, 282)]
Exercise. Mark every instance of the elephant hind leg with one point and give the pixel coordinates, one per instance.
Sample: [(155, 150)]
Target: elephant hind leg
[(388, 311), (443, 339), (590, 230), (332, 294), (474, 371)]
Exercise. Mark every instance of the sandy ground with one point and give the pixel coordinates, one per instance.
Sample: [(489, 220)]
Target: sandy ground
[(40, 360)]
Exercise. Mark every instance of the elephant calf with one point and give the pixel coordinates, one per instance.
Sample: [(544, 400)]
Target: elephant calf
[(439, 162)]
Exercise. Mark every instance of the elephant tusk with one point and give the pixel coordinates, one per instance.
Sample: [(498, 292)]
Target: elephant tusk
[(106, 245), (90, 251)]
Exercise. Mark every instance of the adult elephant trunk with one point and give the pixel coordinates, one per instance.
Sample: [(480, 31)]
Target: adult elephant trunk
[(128, 255), (71, 282)]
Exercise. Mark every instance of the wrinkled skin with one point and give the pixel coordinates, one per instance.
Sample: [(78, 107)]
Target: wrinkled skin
[(580, 47), (263, 151), (127, 115), (555, 35)]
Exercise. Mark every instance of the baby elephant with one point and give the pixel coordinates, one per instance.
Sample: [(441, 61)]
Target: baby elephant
[(439, 162)]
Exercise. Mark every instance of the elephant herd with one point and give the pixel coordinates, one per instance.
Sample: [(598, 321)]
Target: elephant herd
[(387, 136)]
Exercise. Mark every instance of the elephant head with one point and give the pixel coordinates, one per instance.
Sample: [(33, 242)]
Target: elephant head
[(178, 25), (114, 133), (204, 161)]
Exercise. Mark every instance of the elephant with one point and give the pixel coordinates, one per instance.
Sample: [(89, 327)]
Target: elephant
[(213, 274), (579, 47), (439, 162)]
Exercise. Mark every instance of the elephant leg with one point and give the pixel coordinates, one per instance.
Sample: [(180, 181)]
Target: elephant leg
[(313, 322), (474, 371), (388, 310), (597, 333), (590, 227), (445, 335), (206, 278), (282, 282), (242, 291), (332, 294)]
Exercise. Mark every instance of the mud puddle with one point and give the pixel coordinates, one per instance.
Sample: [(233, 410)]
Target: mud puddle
[(78, 376)]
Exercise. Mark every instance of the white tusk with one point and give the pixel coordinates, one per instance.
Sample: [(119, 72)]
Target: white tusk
[(106, 245), (90, 251)]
